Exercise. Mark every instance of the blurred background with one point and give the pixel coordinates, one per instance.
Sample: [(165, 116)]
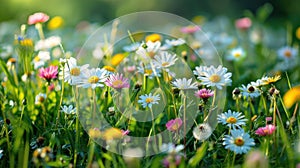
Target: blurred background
[(101, 11)]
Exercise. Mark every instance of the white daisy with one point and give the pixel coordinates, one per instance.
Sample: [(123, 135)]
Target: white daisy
[(149, 49), (287, 53), (172, 43), (202, 132), (40, 59), (238, 142), (48, 43), (232, 119), (211, 76), (184, 84), (68, 109), (40, 98), (171, 148), (131, 47), (92, 78), (164, 60), (250, 91), (148, 100), (236, 54), (149, 71), (71, 71)]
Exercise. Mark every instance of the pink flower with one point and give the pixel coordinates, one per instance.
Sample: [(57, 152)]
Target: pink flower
[(204, 93), (117, 81), (37, 18), (170, 159), (189, 29), (125, 132), (48, 73), (268, 119), (174, 125), (267, 130), (243, 23), (129, 69)]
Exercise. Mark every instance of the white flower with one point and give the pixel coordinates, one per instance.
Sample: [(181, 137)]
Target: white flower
[(250, 91), (148, 100), (71, 71), (41, 58), (202, 131), (68, 109), (211, 76), (48, 43), (164, 60), (184, 84), (173, 42), (149, 49), (1, 153), (287, 53), (40, 98), (239, 141), (92, 78), (232, 119), (150, 71), (131, 47), (171, 148), (236, 54)]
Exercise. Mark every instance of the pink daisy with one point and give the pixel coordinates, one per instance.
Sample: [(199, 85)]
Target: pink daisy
[(204, 93), (48, 73), (117, 81), (37, 18), (267, 130), (189, 29), (174, 125), (243, 23)]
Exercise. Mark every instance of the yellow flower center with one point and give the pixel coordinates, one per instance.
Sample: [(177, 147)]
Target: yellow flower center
[(214, 78), (75, 71), (117, 59), (231, 120), (175, 126), (148, 71), (151, 54), (288, 53), (117, 83), (165, 64), (153, 37), (93, 79), (26, 43), (37, 59), (149, 100), (239, 141), (237, 54), (41, 99)]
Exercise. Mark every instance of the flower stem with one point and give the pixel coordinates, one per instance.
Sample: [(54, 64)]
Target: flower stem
[(184, 122), (39, 28), (76, 127)]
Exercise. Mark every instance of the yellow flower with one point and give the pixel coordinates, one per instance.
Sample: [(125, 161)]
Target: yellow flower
[(153, 37), (117, 59), (270, 80), (26, 43), (298, 33), (109, 68), (291, 96), (112, 133), (94, 133), (55, 23), (199, 19)]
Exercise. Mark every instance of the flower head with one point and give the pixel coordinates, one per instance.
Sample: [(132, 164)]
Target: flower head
[(211, 76), (175, 42), (243, 23), (150, 71), (117, 59), (47, 43), (184, 84), (148, 100), (153, 37), (291, 96), (48, 73), (68, 109), (232, 119), (236, 54), (41, 58), (202, 132), (40, 98), (238, 142), (267, 130), (204, 93), (92, 78), (250, 91), (190, 29), (117, 81), (55, 23), (164, 60), (37, 18), (174, 125), (287, 53), (149, 49), (131, 47)]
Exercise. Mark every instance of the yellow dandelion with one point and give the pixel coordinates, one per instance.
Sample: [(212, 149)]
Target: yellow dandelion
[(153, 37), (117, 59), (298, 33), (109, 68), (112, 133), (291, 96), (55, 23)]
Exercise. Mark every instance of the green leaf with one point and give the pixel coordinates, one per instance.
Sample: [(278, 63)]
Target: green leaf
[(264, 12), (107, 156), (5, 70), (199, 155)]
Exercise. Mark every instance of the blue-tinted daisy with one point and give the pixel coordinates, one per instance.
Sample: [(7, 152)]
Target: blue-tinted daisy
[(164, 60), (148, 100), (250, 90), (184, 84), (239, 141), (215, 77), (287, 53), (68, 109), (236, 54), (150, 71), (92, 78), (232, 119), (173, 42)]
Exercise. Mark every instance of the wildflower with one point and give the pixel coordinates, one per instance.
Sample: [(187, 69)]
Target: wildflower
[(287, 53), (267, 130), (250, 91), (273, 91), (173, 160), (10, 63), (174, 125), (164, 60), (190, 29), (236, 93), (202, 132), (37, 18), (47, 43), (204, 93), (125, 132), (149, 71), (40, 98), (117, 81), (211, 76), (112, 133), (256, 159), (68, 109), (298, 33), (109, 68), (48, 73), (238, 142), (148, 100), (232, 119), (184, 84), (149, 49), (55, 23), (117, 59), (243, 23), (236, 54), (153, 37), (132, 156), (175, 42), (129, 69), (171, 148), (1, 153), (40, 59), (268, 80), (132, 47), (92, 78), (71, 71), (291, 96)]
